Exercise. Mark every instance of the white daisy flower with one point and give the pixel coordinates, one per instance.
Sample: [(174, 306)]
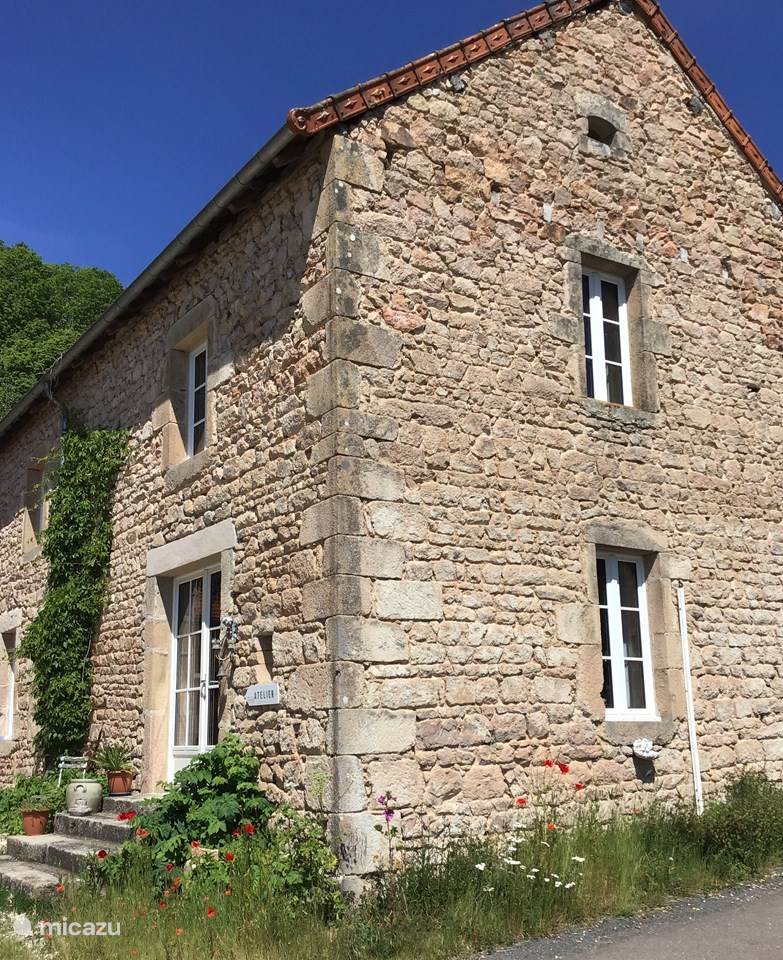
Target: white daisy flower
[(578, 859), (569, 885), (531, 876), (558, 883), (534, 870), (488, 889), (511, 862), (481, 866)]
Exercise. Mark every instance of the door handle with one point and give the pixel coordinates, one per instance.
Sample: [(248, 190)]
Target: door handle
[(204, 687)]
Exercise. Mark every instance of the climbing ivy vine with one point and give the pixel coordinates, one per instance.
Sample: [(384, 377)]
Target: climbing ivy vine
[(77, 545)]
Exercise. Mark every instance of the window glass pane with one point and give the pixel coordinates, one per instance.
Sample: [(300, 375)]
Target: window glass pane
[(634, 679), (589, 378), (610, 299), (604, 614), (214, 600), (183, 608), (606, 691), (179, 719), (612, 341), (601, 572), (629, 588), (614, 383), (193, 718), (196, 591), (632, 633), (182, 664), (200, 368), (585, 294), (199, 404), (195, 660), (198, 438), (588, 337), (212, 718)]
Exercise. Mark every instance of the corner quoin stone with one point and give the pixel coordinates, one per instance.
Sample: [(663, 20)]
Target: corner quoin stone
[(335, 595), (362, 343), (370, 641), (338, 384), (363, 557), (408, 600), (330, 517), (365, 479), (361, 731)]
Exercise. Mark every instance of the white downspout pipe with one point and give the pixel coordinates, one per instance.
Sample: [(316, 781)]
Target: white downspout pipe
[(686, 670)]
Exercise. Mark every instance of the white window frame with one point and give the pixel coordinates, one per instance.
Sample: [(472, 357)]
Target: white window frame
[(621, 711), (597, 335), (8, 732), (192, 423), (187, 752)]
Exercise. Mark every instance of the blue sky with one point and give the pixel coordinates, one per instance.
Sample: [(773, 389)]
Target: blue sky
[(120, 120)]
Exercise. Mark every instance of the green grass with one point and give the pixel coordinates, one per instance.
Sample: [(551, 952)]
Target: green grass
[(439, 905)]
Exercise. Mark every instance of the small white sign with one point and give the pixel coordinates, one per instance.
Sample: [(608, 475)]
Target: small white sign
[(263, 694)]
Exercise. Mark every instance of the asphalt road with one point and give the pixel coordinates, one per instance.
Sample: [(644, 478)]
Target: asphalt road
[(744, 923)]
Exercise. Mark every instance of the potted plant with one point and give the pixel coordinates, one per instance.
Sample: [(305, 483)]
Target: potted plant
[(35, 815), (114, 760)]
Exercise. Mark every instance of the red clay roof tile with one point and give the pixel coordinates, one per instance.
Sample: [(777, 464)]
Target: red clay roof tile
[(345, 106)]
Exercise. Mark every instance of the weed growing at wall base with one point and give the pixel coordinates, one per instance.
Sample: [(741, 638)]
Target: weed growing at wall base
[(451, 899)]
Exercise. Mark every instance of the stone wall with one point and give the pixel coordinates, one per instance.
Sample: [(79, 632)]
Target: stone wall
[(416, 482), (466, 547), (256, 473)]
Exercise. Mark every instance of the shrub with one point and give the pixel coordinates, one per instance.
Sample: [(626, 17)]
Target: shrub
[(215, 794)]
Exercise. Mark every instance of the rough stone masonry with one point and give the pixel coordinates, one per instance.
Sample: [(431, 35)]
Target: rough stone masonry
[(409, 481)]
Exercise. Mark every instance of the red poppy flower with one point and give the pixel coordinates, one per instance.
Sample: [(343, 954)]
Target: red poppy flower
[(249, 829), (549, 763), (60, 888), (195, 844), (521, 801), (230, 856), (141, 832), (101, 854), (551, 826), (169, 867), (179, 931), (211, 911), (235, 832), (579, 786), (176, 883), (162, 904), (563, 767), (126, 815), (167, 893)]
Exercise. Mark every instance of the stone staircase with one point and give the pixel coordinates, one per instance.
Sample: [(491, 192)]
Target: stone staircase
[(36, 865)]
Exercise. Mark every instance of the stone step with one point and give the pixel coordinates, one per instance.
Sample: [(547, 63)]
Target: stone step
[(102, 827), (71, 854), (133, 801), (36, 880)]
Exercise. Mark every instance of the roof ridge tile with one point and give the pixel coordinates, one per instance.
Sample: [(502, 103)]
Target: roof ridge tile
[(395, 84)]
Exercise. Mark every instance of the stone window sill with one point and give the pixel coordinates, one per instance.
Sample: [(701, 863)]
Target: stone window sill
[(186, 471), (618, 413)]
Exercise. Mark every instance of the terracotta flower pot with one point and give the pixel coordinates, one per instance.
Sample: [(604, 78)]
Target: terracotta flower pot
[(34, 822), (120, 782)]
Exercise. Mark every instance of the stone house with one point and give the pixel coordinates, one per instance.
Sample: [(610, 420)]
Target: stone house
[(446, 400)]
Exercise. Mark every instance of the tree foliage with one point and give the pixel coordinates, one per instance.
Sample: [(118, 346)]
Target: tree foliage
[(77, 545), (44, 307)]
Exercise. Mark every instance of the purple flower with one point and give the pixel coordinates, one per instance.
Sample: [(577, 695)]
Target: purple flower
[(388, 813), (382, 800)]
